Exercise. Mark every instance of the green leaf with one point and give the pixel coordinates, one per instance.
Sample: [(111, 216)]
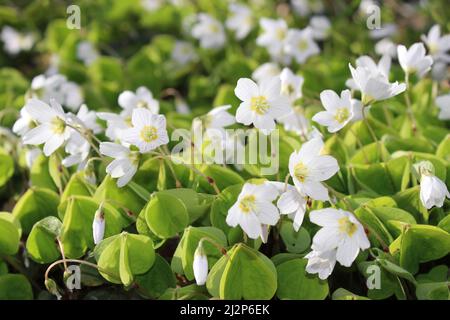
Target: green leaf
[(77, 186), (15, 287), (188, 245), (295, 241), (223, 177), (166, 215), (76, 231), (125, 198), (422, 243), (41, 243), (34, 205), (122, 257), (6, 167), (221, 204), (10, 233), (396, 270), (195, 204), (343, 294), (40, 175), (433, 285), (248, 274), (157, 280), (388, 284), (295, 283)]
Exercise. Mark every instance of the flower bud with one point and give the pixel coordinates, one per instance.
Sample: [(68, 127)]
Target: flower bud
[(98, 225), (200, 265)]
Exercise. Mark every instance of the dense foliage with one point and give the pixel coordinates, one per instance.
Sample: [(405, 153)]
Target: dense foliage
[(100, 197)]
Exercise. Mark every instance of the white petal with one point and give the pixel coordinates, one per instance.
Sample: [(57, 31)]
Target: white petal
[(347, 252), (246, 89), (52, 144)]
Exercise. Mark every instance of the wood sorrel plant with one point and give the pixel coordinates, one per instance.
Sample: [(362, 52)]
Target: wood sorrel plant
[(223, 150)]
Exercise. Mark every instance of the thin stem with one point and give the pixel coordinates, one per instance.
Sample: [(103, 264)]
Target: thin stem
[(369, 127), (360, 144), (88, 136), (165, 151), (286, 181), (93, 265), (61, 248), (215, 244), (409, 110)]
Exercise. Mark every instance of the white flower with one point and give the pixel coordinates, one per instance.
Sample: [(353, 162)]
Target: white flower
[(432, 191), (14, 41), (385, 31), (183, 53), (437, 45), (89, 119), (295, 121), (292, 203), (240, 20), (51, 129), (338, 110), (86, 52), (439, 70), (98, 225), (78, 149), (125, 163), (413, 60), (381, 69), (320, 27), (254, 209), (219, 117), (308, 168), (265, 71), (148, 131), (321, 263), (152, 5), (261, 105), (374, 87), (340, 230), (300, 44), (24, 124), (273, 35), (181, 106), (200, 265), (291, 84), (306, 7), (57, 87), (116, 124), (209, 31), (31, 155), (443, 102), (143, 98), (386, 47)]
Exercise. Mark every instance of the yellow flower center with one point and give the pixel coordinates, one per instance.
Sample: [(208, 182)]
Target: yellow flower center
[(342, 115), (288, 89), (300, 171), (281, 33), (346, 226), (433, 47), (247, 203), (259, 105), (367, 99), (142, 104), (213, 28), (303, 45), (149, 133), (58, 125)]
